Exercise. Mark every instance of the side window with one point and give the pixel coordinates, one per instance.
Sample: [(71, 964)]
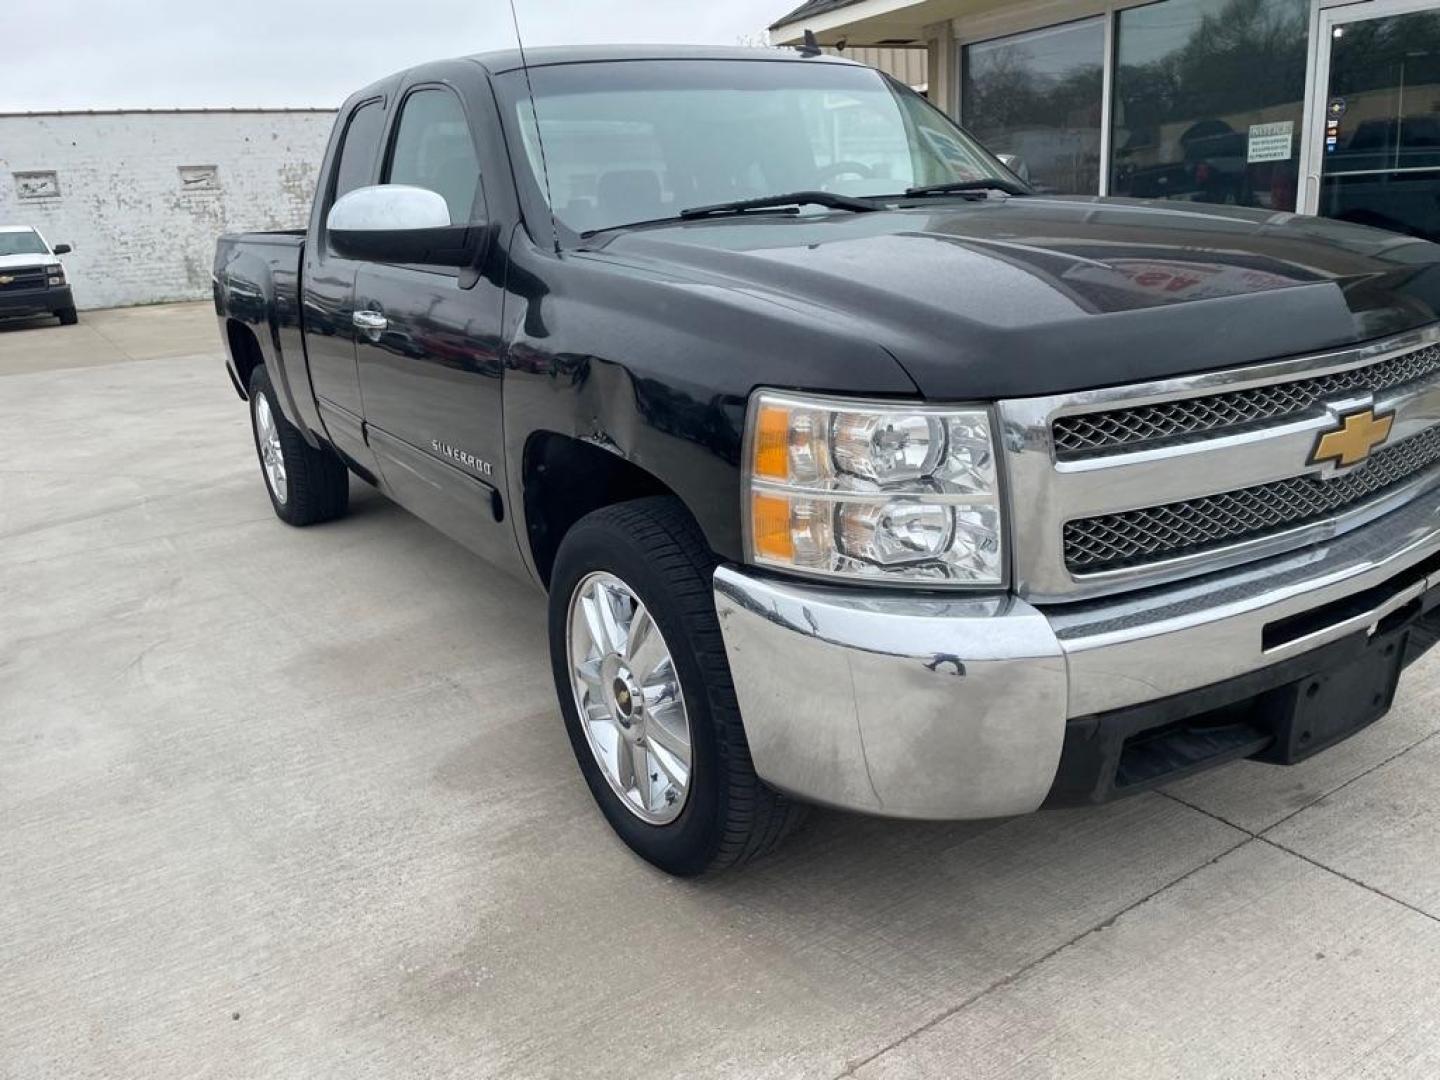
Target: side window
[(433, 149), (357, 149)]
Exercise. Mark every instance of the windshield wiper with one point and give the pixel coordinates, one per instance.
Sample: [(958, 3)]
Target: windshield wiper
[(790, 203), (958, 187), (775, 202)]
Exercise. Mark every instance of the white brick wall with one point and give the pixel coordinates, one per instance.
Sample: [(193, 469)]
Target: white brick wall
[(139, 235)]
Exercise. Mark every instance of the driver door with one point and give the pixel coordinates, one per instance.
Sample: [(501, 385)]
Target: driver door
[(428, 341)]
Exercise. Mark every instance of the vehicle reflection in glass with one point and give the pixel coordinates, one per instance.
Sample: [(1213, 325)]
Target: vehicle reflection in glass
[(1209, 101), (1382, 157)]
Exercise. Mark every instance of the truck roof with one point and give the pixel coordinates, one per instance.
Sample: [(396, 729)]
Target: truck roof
[(509, 59), (17, 228), (502, 60)]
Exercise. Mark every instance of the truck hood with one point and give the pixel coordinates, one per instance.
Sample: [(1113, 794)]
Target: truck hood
[(9, 261), (1013, 297)]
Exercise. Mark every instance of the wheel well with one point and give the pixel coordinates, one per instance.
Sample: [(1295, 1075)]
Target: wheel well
[(244, 351), (565, 479)]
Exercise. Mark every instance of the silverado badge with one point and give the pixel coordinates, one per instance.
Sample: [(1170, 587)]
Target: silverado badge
[(1359, 434), (464, 457), (6, 279)]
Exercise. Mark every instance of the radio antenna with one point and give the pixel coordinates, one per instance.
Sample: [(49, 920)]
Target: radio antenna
[(535, 118)]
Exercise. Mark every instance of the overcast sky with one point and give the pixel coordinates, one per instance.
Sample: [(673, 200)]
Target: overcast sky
[(106, 54)]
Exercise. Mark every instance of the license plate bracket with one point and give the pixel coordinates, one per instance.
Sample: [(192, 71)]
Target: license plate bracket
[(1317, 712)]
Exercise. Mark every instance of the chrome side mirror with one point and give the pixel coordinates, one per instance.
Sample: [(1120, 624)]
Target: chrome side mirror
[(388, 208), (396, 223)]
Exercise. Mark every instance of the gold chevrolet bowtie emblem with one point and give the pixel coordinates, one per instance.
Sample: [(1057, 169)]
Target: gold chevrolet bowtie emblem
[(1358, 435), (5, 279)]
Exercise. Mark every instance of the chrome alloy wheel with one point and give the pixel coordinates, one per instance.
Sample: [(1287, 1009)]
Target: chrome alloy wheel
[(628, 695), (267, 437)]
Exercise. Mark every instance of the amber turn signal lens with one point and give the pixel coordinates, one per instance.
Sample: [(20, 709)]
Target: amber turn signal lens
[(770, 527), (772, 443)]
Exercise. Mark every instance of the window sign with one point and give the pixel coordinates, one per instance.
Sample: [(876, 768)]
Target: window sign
[(1271, 142)]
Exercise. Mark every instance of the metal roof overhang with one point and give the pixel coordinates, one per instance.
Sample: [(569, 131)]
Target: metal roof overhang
[(873, 22)]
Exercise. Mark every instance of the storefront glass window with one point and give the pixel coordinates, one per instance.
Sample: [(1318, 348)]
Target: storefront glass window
[(1209, 101), (1035, 99), (1382, 124)]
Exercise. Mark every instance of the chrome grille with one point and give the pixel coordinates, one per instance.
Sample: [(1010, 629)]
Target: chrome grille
[(1116, 541), (1130, 428)]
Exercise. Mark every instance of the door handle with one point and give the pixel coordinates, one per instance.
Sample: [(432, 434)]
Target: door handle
[(370, 323)]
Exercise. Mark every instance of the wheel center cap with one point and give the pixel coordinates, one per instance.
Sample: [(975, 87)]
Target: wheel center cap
[(626, 701)]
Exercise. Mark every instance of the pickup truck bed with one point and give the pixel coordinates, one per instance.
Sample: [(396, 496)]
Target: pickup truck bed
[(262, 271)]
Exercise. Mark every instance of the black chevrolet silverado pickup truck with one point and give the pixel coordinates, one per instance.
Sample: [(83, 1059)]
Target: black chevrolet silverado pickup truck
[(856, 473)]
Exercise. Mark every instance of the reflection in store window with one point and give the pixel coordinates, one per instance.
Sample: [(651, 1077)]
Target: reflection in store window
[(1382, 155), (1036, 99), (1209, 101)]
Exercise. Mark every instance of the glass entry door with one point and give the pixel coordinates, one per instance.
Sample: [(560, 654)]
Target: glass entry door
[(1375, 151)]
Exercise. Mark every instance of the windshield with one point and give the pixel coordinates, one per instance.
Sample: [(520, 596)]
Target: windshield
[(631, 142), (27, 242)]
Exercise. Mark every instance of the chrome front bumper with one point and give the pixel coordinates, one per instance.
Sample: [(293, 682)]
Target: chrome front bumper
[(932, 707)]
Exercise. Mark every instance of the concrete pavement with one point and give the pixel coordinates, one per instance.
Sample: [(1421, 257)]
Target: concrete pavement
[(298, 803)]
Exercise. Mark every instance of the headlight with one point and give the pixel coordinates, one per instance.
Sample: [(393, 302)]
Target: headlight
[(873, 491), (55, 275)]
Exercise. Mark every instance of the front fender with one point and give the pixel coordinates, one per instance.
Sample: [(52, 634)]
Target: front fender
[(682, 443), (660, 370)]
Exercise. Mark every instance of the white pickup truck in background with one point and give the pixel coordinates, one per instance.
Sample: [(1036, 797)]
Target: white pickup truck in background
[(32, 281)]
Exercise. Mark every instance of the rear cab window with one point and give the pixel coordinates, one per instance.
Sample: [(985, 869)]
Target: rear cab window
[(356, 165), (359, 148)]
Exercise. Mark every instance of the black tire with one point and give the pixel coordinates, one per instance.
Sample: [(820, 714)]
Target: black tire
[(317, 481), (730, 816), (67, 316)]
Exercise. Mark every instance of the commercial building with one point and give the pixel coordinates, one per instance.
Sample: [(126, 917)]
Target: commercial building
[(910, 65), (141, 195), (1328, 107)]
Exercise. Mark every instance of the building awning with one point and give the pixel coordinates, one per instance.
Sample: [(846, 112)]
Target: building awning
[(811, 7), (886, 23)]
